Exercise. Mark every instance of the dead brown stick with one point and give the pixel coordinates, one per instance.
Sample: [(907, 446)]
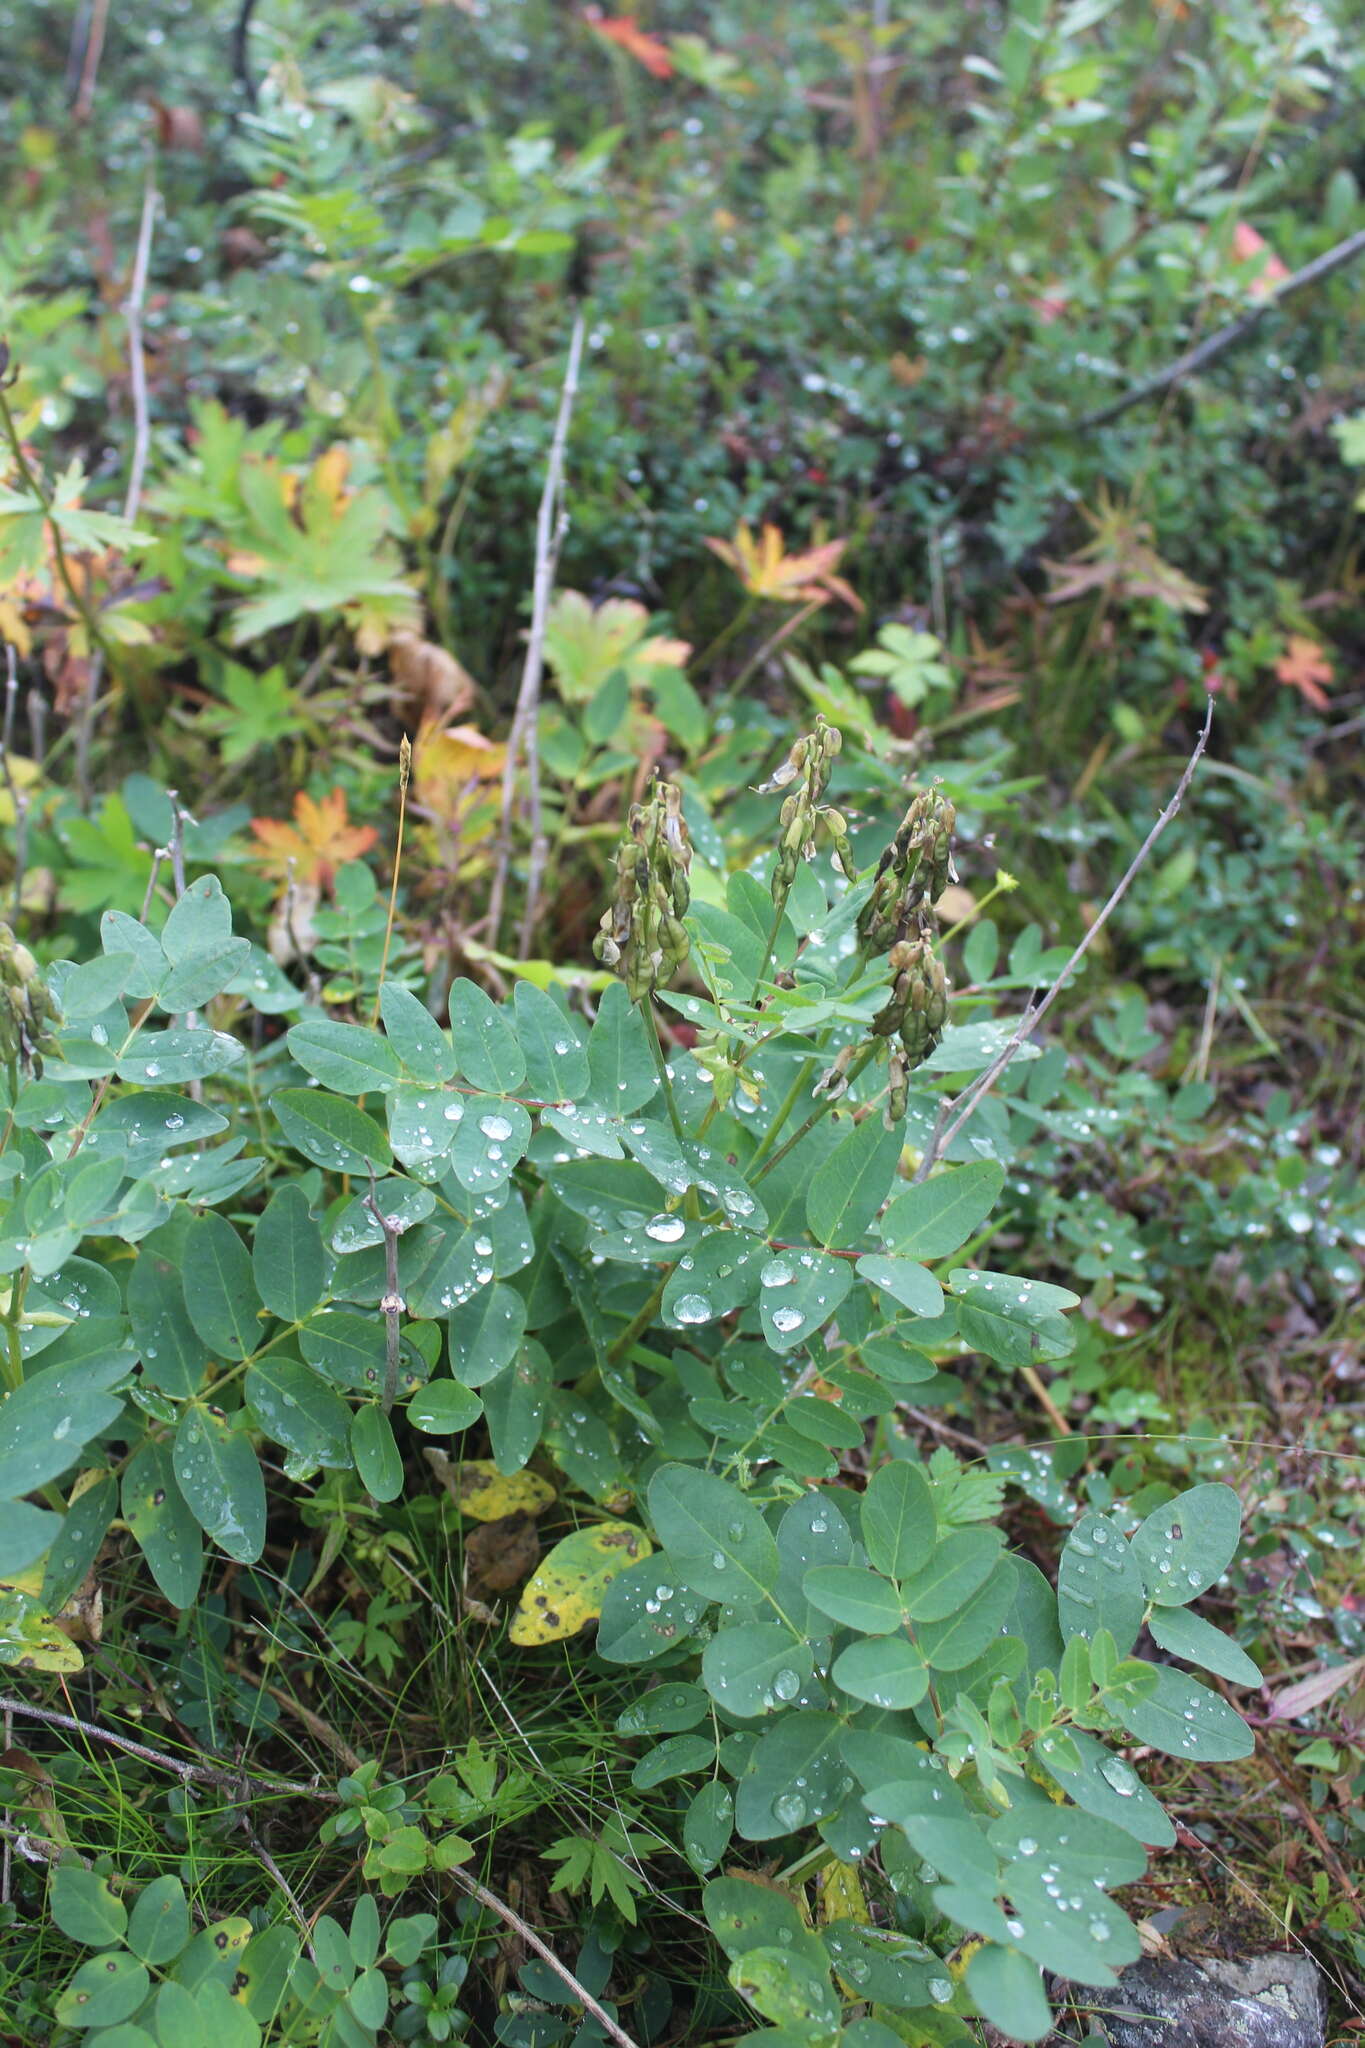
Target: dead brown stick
[(213, 1774), (964, 1105), (547, 1955), (551, 524)]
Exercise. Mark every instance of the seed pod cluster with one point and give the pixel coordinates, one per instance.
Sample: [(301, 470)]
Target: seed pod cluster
[(804, 816), (642, 934), (912, 874), (28, 1015)]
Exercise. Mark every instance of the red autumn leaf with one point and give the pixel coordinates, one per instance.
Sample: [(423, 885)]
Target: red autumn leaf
[(625, 31), (318, 842), (1305, 667), (1246, 244)]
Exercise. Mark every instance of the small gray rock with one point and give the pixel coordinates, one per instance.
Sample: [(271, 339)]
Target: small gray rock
[(1259, 2001)]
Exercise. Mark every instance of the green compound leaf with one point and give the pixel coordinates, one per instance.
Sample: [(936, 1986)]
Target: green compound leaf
[(552, 1046), (174, 1355), (163, 1527), (1197, 1641), (850, 1183), (1103, 1784), (912, 1285), (758, 1669), (646, 1612), (787, 1989), (486, 1332), (1099, 1584), (1007, 1990), (347, 1058), (963, 1636), (1015, 1322), (333, 1134), (900, 1528), (159, 1924), (794, 1777), (800, 1291), (886, 1671), (717, 1541), (1092, 1850), (621, 1065), (377, 1458), (296, 1407), (220, 1291), (415, 1036), (722, 1272), (962, 1562), (85, 1908), (1069, 1927), (935, 1219), (1184, 1719), (1185, 1546), (489, 1143), (443, 1408), (218, 1474), (45, 1422), (288, 1257), (708, 1826), (26, 1533), (486, 1047), (103, 1991), (855, 1598)]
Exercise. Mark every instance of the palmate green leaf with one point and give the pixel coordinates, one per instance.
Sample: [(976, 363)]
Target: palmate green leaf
[(800, 1291), (794, 1777), (1197, 1641), (1184, 1719), (288, 1258), (851, 1182), (416, 1037), (162, 1525), (1015, 1322), (886, 1671), (936, 1217), (900, 1528), (297, 1408), (332, 1133), (220, 1291), (552, 1046), (717, 1542), (487, 1051), (1099, 1584), (217, 1472), (1007, 1990), (349, 1059), (1186, 1545), (757, 1669)]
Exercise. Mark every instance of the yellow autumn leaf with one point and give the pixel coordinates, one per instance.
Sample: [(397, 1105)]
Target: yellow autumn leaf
[(766, 569), (23, 774), (486, 1495), (842, 1896), (568, 1589), (452, 768), (30, 1638)]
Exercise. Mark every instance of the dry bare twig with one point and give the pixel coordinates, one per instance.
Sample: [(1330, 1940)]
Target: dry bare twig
[(547, 1955), (551, 526), (964, 1106)]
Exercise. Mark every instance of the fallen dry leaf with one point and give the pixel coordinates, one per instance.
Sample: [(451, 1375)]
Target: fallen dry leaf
[(1305, 667), (498, 1556), (1315, 1690), (431, 684)]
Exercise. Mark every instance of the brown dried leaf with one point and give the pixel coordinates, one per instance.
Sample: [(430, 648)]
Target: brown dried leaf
[(431, 684), (498, 1556)]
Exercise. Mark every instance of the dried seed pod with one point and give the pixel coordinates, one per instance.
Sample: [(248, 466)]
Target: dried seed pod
[(642, 934)]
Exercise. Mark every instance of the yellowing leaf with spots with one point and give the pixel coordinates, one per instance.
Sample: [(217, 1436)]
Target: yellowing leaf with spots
[(30, 1639), (486, 1494), (567, 1591), (842, 1896)]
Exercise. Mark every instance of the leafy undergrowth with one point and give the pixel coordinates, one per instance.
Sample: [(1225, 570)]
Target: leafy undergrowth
[(527, 1418)]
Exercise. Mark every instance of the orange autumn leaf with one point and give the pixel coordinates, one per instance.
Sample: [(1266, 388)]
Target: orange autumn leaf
[(1304, 666), (451, 767), (766, 569), (625, 31), (318, 842)]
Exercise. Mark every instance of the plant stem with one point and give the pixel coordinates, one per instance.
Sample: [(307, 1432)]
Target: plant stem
[(855, 1068), (638, 1324), (789, 1102), (79, 600), (646, 1009)]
